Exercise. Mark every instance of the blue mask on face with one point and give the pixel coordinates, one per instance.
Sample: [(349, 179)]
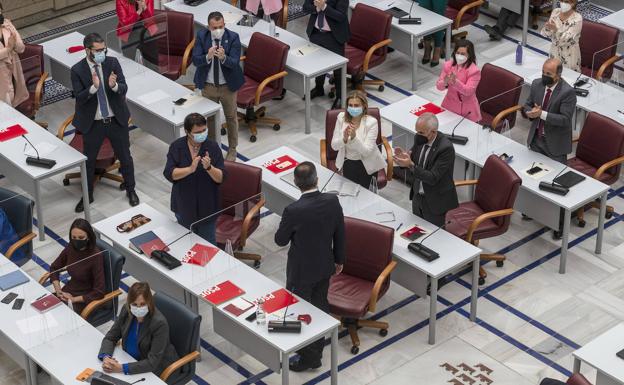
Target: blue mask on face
[(201, 137), (99, 57), (355, 111)]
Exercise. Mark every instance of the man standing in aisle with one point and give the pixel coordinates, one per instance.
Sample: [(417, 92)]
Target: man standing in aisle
[(328, 27), (216, 55), (101, 112), (314, 226)]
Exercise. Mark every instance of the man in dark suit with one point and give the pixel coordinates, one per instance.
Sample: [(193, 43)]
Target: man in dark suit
[(314, 226), (328, 27), (431, 161), (101, 112), (216, 55)]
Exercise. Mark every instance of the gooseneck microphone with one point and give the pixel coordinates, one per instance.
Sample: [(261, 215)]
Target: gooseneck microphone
[(328, 180), (423, 251), (38, 161), (459, 139), (410, 19), (284, 326)]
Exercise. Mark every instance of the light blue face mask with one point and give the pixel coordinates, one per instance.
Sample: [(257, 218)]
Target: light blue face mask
[(355, 111), (201, 137), (99, 57)]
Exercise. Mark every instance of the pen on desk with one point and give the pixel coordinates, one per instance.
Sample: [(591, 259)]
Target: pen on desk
[(399, 226), (43, 295), (300, 52), (621, 112)]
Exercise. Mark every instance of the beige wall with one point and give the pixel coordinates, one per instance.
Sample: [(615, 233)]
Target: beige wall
[(28, 12)]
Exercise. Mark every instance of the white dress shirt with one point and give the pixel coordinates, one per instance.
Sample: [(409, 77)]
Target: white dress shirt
[(93, 90), (210, 78), (544, 113)]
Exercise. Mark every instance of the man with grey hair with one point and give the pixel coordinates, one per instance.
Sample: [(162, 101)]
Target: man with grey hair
[(431, 161)]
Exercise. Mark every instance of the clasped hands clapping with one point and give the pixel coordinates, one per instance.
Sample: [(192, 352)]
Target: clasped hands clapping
[(219, 52), (112, 80), (205, 161), (349, 133), (319, 4)]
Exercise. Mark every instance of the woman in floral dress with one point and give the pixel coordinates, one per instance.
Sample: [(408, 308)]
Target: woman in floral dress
[(564, 29)]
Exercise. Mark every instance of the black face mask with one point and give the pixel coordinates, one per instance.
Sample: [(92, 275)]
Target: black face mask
[(547, 80), (421, 139), (1, 19), (79, 244)]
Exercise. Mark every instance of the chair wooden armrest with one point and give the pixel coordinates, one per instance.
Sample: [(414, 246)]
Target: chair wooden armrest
[(21, 242), (39, 91), (61, 131), (93, 305), (234, 3), (192, 356), (265, 82), (44, 278), (503, 114), (186, 58), (372, 303), (574, 140), (243, 58), (284, 14), (248, 218), (371, 51), (467, 182), (611, 61), (465, 9), (478, 220), (389, 158), (324, 152), (607, 166)]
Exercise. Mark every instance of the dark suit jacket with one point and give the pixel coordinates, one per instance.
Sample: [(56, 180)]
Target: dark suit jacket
[(558, 124), (314, 226), (336, 16), (230, 67), (87, 103), (437, 175), (157, 352)]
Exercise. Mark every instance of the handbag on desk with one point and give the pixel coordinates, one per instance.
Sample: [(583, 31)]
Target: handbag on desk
[(135, 222)]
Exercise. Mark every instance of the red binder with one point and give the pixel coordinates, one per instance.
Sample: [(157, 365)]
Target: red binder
[(429, 107), (222, 292), (11, 132), (75, 48), (46, 303), (280, 164), (277, 300), (200, 254)]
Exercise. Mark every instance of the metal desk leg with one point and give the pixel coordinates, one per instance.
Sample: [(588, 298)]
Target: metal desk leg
[(475, 289), (306, 95), (334, 357), (577, 366), (567, 216), (343, 86), (433, 304), (39, 208), (85, 191), (285, 368), (601, 222), (414, 60), (31, 372), (449, 36), (525, 23)]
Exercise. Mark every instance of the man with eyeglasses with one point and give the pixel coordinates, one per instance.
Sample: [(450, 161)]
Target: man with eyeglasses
[(101, 112)]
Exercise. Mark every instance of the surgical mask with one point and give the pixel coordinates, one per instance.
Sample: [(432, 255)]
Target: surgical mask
[(79, 244), (460, 59), (217, 33), (99, 57), (565, 7), (547, 80), (139, 311), (355, 111), (200, 137), (421, 139)]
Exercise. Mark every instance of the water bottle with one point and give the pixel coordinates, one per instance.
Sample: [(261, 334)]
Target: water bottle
[(519, 54), (260, 314), (138, 57), (272, 28)]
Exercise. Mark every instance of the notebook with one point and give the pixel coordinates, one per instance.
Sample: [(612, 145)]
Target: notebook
[(11, 132), (569, 179), (46, 303), (222, 292), (280, 164), (146, 243), (396, 12), (12, 279)]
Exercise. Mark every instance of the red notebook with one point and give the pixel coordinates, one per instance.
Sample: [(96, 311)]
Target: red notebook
[(277, 300), (75, 48), (46, 303), (200, 254), (11, 132), (429, 107), (413, 233), (280, 164), (238, 306), (223, 292)]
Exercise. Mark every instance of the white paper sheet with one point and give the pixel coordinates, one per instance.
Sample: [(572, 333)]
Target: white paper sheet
[(44, 149), (36, 323), (538, 175), (304, 50), (153, 97)]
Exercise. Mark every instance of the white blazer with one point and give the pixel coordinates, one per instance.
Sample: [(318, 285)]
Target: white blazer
[(364, 143)]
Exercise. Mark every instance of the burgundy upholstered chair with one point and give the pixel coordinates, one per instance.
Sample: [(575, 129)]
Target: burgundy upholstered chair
[(174, 51), (463, 13), (598, 49), (35, 77), (328, 155), (489, 214), (264, 80), (499, 108), (365, 277), (241, 200), (576, 379), (599, 153), (280, 18)]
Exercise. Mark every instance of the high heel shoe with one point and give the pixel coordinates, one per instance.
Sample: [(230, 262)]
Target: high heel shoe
[(436, 57), (427, 54)]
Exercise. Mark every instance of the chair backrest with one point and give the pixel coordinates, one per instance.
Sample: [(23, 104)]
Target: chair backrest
[(598, 43), (259, 64), (18, 209), (184, 327), (32, 68), (242, 182), (471, 15), (113, 266), (330, 126), (369, 26), (180, 31), (601, 140), (494, 82), (368, 249), (578, 379), (497, 189)]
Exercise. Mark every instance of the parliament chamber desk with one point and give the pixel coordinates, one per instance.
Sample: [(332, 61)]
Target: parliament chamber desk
[(305, 60), (405, 37), (615, 20), (59, 341), (538, 204), (600, 353), (412, 272), (150, 94), (188, 281), (29, 178)]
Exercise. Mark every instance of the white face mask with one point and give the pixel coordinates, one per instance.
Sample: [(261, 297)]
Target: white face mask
[(139, 311), (217, 33), (461, 59), (565, 7)]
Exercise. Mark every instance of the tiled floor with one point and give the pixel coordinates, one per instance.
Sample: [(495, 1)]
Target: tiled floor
[(530, 317)]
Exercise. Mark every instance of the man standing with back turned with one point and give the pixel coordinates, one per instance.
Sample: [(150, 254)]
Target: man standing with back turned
[(314, 226)]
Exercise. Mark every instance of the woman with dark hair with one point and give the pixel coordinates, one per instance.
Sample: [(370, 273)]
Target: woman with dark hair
[(460, 78), (144, 334), (84, 263), (136, 26), (13, 89)]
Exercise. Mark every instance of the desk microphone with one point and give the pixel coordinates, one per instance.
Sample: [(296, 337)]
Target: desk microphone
[(330, 178), (494, 97), (553, 186), (38, 161), (410, 19), (423, 251), (458, 139), (284, 326)]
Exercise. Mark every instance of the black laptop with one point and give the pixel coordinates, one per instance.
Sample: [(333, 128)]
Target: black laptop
[(569, 179)]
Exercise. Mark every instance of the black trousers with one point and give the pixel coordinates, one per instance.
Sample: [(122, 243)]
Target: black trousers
[(327, 40), (420, 208), (316, 294), (354, 171), (551, 381), (120, 140), (506, 19)]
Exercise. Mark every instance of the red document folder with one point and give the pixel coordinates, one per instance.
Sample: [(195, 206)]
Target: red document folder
[(46, 303), (222, 292), (429, 107), (200, 254), (277, 300), (11, 132), (280, 164)]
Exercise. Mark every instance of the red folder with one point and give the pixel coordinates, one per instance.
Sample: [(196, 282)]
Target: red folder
[(222, 292), (75, 48), (277, 300), (11, 132), (46, 303), (200, 254), (280, 164), (154, 244), (429, 107)]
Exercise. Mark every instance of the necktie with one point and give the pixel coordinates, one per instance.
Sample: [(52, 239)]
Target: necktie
[(101, 94), (421, 163), (215, 66), (320, 17), (540, 125)]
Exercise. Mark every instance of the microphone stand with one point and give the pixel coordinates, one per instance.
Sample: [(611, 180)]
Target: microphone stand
[(284, 326), (38, 161), (410, 19), (458, 139)]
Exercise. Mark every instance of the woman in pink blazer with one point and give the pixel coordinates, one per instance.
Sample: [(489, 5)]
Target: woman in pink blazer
[(12, 85), (460, 77)]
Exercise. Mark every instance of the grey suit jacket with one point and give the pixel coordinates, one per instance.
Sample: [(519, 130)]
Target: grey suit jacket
[(157, 352), (558, 124)]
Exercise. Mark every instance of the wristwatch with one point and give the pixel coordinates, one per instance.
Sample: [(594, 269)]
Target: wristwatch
[(209, 168)]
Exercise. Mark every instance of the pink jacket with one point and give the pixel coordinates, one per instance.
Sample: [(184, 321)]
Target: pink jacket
[(461, 96)]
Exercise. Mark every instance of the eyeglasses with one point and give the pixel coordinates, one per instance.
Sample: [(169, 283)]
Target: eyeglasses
[(99, 50)]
